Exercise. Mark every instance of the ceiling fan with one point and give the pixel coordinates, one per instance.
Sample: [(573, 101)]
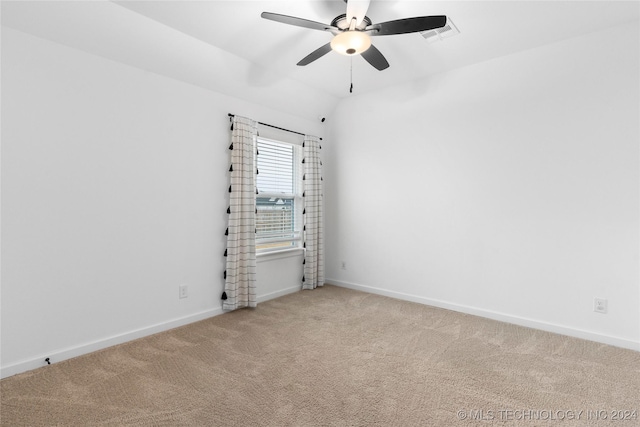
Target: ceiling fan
[(352, 32)]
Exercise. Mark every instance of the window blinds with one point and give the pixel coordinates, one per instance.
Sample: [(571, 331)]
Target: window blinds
[(277, 208)]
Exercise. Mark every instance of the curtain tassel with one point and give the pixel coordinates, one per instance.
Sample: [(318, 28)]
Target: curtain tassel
[(229, 210), (229, 189), (225, 252), (225, 275), (231, 146), (224, 296), (226, 233), (231, 168)]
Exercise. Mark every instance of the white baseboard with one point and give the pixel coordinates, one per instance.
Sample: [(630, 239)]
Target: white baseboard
[(503, 317), (277, 294), (79, 350)]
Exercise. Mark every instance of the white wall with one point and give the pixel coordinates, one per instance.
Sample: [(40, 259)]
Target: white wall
[(114, 192), (508, 189)]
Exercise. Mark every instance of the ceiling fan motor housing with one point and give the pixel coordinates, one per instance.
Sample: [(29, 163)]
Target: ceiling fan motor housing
[(341, 22)]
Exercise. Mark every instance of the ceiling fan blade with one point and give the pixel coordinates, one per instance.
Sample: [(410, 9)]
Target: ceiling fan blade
[(298, 22), (357, 9), (408, 25), (318, 53), (375, 58)]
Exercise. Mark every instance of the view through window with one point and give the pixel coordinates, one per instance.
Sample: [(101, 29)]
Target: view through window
[(278, 202)]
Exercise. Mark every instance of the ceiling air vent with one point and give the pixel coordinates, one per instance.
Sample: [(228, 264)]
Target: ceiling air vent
[(448, 30)]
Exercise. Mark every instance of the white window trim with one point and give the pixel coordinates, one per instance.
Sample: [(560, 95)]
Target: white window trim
[(297, 199), (263, 256)]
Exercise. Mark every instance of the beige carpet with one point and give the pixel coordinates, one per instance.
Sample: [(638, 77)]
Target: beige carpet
[(335, 357)]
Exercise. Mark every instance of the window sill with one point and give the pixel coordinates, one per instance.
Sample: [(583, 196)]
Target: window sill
[(284, 253)]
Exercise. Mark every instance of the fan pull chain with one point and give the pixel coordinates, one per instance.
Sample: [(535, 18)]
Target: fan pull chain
[(351, 71)]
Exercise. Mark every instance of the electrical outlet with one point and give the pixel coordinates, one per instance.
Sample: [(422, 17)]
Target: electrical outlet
[(183, 291), (600, 305), (344, 265)]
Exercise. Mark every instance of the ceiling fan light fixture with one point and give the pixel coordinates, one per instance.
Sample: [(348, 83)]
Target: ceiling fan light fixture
[(351, 43)]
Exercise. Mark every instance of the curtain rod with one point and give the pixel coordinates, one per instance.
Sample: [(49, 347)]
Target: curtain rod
[(275, 127)]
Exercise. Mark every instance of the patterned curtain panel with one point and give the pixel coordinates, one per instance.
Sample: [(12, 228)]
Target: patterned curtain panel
[(313, 214), (240, 274)]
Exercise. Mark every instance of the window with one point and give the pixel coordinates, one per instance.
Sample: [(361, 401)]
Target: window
[(279, 201)]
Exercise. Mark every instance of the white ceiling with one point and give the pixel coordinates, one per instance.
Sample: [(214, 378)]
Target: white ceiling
[(488, 29), (202, 41)]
